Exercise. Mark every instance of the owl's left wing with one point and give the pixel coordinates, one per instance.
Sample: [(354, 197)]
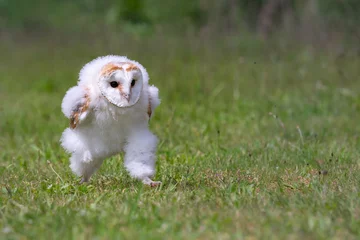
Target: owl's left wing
[(75, 105), (154, 100)]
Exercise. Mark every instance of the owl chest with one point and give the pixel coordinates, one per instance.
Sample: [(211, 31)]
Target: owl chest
[(110, 133), (103, 140), (108, 129), (112, 136)]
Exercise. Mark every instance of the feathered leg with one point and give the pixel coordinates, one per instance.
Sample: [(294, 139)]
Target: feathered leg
[(82, 163), (83, 169), (140, 154)]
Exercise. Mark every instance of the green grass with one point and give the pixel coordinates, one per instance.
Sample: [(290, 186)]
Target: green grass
[(255, 142)]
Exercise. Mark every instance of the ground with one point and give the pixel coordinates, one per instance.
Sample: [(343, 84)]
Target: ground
[(256, 141)]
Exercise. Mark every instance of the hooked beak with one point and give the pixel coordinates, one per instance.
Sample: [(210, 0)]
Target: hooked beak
[(126, 96)]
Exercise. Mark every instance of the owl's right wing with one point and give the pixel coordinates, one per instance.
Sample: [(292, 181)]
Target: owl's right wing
[(75, 105), (154, 100)]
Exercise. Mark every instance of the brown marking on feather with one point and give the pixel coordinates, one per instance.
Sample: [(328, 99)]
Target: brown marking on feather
[(149, 111), (79, 109), (109, 68), (120, 87), (131, 67)]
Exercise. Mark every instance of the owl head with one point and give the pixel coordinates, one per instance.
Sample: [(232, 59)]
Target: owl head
[(121, 83), (118, 79)]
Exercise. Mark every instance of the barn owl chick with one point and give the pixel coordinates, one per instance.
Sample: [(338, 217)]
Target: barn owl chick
[(109, 110)]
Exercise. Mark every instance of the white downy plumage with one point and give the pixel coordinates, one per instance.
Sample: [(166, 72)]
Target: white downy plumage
[(109, 111)]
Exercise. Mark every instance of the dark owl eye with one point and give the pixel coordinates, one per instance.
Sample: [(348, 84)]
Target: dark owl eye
[(133, 82), (114, 84)]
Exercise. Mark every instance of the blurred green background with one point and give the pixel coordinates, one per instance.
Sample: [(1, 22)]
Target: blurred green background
[(317, 21)]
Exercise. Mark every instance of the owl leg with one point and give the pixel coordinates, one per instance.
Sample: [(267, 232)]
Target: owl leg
[(140, 154), (83, 169)]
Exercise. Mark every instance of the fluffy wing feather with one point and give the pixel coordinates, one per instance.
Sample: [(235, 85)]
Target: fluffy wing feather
[(154, 100), (75, 105)]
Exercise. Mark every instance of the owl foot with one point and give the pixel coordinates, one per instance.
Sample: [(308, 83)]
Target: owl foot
[(84, 180), (155, 183), (151, 183)]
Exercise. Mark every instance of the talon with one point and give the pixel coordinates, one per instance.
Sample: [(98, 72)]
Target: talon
[(84, 180), (151, 183), (155, 184)]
